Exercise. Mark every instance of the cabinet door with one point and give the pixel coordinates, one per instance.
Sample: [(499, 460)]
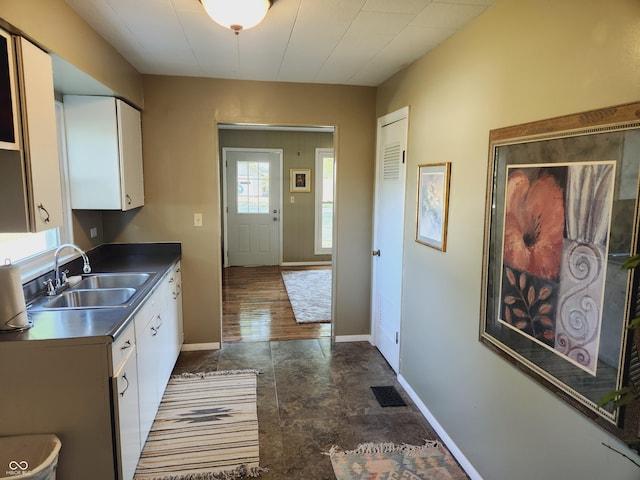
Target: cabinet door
[(130, 139), (40, 136), (175, 302), (172, 334), (125, 392), (164, 357), (148, 348), (93, 152)]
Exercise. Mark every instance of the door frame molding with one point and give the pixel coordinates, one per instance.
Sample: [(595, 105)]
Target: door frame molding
[(225, 208), (383, 121)]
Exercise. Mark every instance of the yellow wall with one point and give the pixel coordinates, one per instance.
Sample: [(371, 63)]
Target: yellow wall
[(58, 29), (521, 60), (180, 145)]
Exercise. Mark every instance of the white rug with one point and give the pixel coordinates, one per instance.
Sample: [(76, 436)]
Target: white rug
[(206, 428), (309, 293)]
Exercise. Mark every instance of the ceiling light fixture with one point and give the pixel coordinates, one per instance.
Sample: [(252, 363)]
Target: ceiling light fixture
[(237, 14)]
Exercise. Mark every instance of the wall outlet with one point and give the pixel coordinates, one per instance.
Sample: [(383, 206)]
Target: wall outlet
[(292, 199), (93, 232), (197, 219)]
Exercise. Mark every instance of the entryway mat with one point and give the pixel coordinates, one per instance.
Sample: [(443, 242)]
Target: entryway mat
[(388, 397)]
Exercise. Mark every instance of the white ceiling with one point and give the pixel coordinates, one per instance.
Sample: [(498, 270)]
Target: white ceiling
[(353, 42)]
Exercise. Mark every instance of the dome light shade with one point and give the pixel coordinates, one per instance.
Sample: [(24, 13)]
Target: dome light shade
[(237, 14)]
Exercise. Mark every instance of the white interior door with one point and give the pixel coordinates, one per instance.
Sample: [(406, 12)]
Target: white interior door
[(253, 179), (388, 234)]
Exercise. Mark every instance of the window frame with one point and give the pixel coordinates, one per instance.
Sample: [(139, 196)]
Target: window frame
[(42, 262), (321, 154)]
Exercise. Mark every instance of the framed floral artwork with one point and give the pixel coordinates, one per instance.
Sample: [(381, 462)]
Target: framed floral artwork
[(561, 218), (299, 180), (433, 205)]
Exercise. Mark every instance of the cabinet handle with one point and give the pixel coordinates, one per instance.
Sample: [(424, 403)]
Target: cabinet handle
[(124, 377), (160, 324), (126, 345), (171, 280), (46, 218), (154, 330), (128, 199)]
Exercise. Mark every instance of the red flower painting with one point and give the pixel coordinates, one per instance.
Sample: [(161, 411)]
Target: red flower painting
[(534, 224), (533, 237)]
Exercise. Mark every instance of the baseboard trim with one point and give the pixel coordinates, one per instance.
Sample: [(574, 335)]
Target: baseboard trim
[(192, 347), (448, 441), (352, 338), (303, 264)]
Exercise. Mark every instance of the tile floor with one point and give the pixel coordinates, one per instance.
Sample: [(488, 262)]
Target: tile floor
[(312, 395)]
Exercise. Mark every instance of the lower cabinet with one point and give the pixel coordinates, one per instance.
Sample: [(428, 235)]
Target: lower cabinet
[(98, 396), (125, 400), (158, 339), (149, 349)]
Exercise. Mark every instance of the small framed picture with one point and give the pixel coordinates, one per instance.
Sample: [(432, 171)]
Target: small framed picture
[(433, 204), (300, 179)]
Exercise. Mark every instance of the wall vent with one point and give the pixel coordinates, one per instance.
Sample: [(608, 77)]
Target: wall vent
[(392, 161)]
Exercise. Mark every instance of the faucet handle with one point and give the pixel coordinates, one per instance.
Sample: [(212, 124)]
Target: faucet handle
[(49, 284), (64, 277)]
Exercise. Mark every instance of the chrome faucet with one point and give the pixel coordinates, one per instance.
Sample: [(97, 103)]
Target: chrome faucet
[(59, 283)]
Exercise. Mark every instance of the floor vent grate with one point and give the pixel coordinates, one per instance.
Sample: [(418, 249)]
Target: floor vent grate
[(388, 397)]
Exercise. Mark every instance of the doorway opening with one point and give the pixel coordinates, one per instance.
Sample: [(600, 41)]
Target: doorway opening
[(277, 188)]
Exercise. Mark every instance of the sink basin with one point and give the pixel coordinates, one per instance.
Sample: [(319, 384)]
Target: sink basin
[(112, 280), (96, 298)]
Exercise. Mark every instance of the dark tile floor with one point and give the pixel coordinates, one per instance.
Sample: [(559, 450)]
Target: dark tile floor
[(312, 395)]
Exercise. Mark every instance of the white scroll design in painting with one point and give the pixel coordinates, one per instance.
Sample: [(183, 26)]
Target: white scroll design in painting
[(582, 273)]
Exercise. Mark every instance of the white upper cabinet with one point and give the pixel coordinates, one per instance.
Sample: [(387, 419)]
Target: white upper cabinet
[(104, 144), (40, 136), (30, 187)]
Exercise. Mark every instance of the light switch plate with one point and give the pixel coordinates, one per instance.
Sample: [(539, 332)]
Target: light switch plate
[(197, 219)]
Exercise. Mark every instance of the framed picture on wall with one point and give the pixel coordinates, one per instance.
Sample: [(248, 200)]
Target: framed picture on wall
[(561, 218), (300, 179), (433, 205)]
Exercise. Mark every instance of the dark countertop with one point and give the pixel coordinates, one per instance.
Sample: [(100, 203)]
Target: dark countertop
[(97, 325)]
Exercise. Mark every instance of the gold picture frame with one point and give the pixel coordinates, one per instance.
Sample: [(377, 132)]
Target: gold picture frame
[(567, 331), (299, 180), (433, 205)]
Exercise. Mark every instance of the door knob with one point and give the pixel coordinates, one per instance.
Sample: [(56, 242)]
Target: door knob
[(275, 219), (376, 253)]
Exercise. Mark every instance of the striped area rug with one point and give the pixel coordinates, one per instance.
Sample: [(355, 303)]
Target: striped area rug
[(206, 428)]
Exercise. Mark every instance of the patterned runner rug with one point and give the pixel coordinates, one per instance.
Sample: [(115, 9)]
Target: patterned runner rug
[(206, 428), (309, 293), (386, 461)]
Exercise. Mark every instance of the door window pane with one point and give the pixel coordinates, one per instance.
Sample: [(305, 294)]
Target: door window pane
[(253, 187)]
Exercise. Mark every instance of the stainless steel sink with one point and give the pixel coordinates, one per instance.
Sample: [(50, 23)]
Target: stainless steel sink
[(112, 280), (95, 298)]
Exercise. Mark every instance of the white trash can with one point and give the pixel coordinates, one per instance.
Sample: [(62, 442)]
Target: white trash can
[(33, 457)]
